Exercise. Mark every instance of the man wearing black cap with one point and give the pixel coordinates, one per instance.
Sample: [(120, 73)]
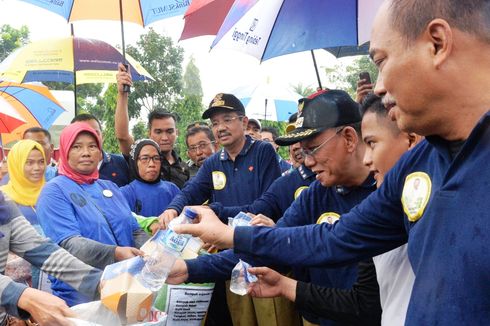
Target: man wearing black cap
[(328, 128), (236, 175)]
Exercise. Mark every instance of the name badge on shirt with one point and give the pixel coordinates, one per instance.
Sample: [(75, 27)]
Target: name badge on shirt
[(219, 180), (299, 191), (416, 194), (329, 217)]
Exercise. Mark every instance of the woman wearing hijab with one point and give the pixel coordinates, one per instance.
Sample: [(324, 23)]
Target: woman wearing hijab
[(148, 195), (26, 166), (88, 217)]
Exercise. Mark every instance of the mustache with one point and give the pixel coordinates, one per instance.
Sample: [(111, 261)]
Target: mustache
[(387, 101)]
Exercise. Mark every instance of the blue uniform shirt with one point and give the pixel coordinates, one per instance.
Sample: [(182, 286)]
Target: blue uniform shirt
[(285, 166), (149, 199), (230, 182), (114, 168), (276, 200), (66, 209), (444, 216)]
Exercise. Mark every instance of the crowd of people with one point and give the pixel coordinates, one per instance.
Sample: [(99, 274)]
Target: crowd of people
[(377, 217)]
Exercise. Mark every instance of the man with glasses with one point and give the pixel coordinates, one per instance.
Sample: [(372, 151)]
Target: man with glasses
[(236, 175), (200, 145), (328, 127)]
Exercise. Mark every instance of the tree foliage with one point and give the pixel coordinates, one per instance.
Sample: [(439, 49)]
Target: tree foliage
[(12, 38), (303, 90), (163, 60), (346, 77)]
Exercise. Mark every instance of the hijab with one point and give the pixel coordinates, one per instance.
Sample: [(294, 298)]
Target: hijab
[(19, 188), (133, 158), (67, 138)]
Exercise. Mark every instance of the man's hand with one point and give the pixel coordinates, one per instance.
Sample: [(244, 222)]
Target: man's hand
[(261, 220), (271, 284), (167, 216), (178, 274), (45, 308), (122, 253), (123, 77), (362, 90), (210, 229)]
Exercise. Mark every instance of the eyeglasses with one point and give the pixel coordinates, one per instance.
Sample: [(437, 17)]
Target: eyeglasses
[(200, 146), (227, 121), (147, 159), (312, 152)]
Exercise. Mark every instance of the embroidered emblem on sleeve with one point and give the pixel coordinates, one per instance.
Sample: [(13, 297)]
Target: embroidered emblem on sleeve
[(329, 217)]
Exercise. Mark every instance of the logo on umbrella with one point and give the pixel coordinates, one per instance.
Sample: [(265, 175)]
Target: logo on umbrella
[(254, 25)]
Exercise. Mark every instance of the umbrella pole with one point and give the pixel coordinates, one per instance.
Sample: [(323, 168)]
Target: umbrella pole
[(126, 88), (265, 111), (74, 69), (316, 70)]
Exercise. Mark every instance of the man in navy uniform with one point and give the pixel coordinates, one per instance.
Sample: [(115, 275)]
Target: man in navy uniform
[(434, 76)]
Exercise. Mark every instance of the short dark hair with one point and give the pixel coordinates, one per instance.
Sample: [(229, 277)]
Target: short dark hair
[(272, 130), (86, 117), (37, 129), (372, 103), (195, 130), (160, 114), (410, 17)]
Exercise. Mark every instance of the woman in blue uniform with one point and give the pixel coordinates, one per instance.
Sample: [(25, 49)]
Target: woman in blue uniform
[(87, 216)]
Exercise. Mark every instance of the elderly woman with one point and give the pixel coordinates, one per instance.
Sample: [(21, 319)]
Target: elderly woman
[(148, 195), (88, 217)]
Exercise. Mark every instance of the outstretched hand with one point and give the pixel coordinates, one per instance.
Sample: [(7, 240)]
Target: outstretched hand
[(45, 308), (209, 228), (271, 284)]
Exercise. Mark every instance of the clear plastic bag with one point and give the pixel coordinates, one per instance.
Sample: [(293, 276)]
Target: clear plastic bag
[(241, 219), (241, 278)]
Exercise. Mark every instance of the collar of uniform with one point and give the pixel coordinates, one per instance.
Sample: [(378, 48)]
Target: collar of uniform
[(304, 172), (176, 157), (370, 182), (106, 157), (248, 144)]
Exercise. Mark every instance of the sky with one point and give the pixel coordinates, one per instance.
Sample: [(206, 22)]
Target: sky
[(220, 70)]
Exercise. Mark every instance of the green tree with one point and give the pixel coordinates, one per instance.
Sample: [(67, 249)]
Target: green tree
[(346, 77), (11, 39), (190, 108), (163, 60), (303, 90), (139, 130)]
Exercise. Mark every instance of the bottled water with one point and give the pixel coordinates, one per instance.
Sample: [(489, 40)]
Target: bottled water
[(177, 241), (164, 248)]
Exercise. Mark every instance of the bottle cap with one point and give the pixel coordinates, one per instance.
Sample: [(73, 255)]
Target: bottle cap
[(190, 213)]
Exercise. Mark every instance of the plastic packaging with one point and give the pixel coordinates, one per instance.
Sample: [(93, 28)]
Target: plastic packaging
[(241, 278), (241, 219), (158, 265)]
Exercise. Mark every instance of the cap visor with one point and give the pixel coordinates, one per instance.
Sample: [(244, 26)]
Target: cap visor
[(297, 135)]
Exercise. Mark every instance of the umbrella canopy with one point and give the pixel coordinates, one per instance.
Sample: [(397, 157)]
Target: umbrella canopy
[(347, 51), (34, 104), (267, 29), (9, 118), (204, 17), (94, 61), (268, 101), (141, 12)]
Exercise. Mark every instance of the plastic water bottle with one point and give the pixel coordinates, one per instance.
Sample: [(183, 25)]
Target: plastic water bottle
[(157, 267), (177, 241)]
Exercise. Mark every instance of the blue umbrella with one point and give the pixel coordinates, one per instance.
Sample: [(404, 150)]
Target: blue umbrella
[(267, 29)]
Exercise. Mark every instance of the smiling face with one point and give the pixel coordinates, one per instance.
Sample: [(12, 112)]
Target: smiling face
[(328, 160), (406, 80), (149, 163), (295, 155), (84, 154), (42, 139), (34, 166)]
